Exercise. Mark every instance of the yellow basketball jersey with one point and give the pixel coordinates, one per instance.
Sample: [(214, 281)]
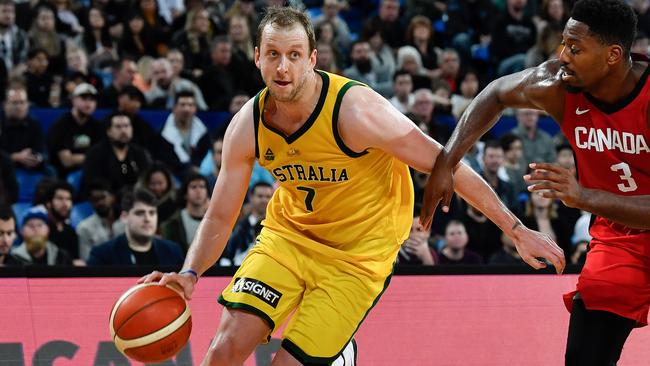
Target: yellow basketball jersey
[(355, 207)]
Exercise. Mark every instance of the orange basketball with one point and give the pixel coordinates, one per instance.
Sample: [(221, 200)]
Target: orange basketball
[(150, 323)]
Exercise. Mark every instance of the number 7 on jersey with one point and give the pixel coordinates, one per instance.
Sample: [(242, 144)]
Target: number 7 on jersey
[(309, 198)]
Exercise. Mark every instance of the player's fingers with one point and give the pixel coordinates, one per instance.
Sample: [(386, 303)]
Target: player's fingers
[(533, 262), (547, 166), (168, 278), (151, 277)]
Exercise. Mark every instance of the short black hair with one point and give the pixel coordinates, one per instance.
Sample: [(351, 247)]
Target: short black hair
[(58, 185), (33, 52), (492, 144), (132, 92), (6, 213), (109, 119), (138, 195), (99, 184), (184, 94), (189, 178), (610, 21), (259, 184), (507, 140), (399, 73)]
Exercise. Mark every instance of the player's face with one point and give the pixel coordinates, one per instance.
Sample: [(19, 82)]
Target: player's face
[(285, 61), (7, 235), (584, 58)]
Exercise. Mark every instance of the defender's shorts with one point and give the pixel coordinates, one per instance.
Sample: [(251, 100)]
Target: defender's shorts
[(330, 301)]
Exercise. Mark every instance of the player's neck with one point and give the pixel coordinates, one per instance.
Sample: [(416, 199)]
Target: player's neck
[(299, 110)]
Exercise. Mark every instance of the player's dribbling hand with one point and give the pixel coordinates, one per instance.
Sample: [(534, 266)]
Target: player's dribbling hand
[(533, 244), (440, 186), (182, 282)]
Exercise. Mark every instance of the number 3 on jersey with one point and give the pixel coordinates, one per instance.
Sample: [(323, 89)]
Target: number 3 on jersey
[(630, 184), (309, 198)]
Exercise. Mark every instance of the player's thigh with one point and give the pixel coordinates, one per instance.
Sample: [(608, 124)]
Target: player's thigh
[(330, 314), (264, 287)]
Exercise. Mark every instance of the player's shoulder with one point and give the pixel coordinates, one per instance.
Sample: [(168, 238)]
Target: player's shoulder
[(241, 130), (546, 74)]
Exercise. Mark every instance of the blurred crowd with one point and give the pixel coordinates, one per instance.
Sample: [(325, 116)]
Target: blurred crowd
[(119, 191)]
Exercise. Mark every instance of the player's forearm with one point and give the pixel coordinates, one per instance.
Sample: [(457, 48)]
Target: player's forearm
[(208, 244), (631, 211), (473, 189), (478, 118)]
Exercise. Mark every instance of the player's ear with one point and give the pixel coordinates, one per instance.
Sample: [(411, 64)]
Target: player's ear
[(615, 54)]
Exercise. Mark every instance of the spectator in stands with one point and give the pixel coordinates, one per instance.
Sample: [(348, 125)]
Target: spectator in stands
[(416, 249), (422, 113), (326, 33), (468, 23), (177, 60), (546, 46), (124, 72), (249, 225), (538, 145), (159, 181), (581, 238), (326, 58), (68, 23), (387, 19), (507, 254), (441, 98), (104, 224), (330, 13), (138, 245), (58, 203), (469, 88), (215, 160), (182, 226), (381, 54), (96, 40), (565, 159), (14, 42), (455, 249), (170, 9), (20, 135), (240, 35), (8, 182), (165, 86), (513, 34), (450, 68), (403, 97), (40, 83), (77, 62), (363, 69), (7, 238), (220, 80), (75, 132), (194, 40), (419, 34), (245, 8), (185, 131), (137, 40), (36, 248), (408, 59), (541, 215), (492, 163), (129, 101), (115, 159), (513, 162), (642, 10), (554, 13), (42, 34)]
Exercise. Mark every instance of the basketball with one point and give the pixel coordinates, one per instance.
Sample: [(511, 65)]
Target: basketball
[(150, 323)]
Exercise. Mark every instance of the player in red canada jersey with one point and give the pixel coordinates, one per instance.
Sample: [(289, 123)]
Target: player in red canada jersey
[(599, 94)]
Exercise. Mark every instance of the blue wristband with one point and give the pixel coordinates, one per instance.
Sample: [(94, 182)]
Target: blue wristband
[(192, 272)]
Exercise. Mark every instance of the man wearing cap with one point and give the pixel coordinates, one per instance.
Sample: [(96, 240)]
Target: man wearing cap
[(75, 132), (36, 249)]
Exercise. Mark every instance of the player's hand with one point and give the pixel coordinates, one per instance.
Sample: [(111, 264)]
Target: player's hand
[(555, 182), (440, 186), (533, 244), (182, 282)]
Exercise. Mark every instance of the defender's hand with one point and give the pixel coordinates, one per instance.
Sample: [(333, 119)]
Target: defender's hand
[(440, 186), (555, 182)]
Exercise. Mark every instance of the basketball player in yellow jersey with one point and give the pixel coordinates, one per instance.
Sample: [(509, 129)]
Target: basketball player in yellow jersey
[(333, 229)]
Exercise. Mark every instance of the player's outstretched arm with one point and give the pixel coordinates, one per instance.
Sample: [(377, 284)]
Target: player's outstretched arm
[(536, 88), (556, 182), (368, 121), (225, 204)]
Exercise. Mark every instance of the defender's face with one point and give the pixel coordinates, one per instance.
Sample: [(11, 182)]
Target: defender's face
[(285, 61), (584, 59)]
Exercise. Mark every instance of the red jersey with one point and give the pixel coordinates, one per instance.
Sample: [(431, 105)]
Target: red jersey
[(612, 149)]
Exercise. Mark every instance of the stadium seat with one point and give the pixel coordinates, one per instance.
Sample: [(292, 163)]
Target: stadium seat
[(79, 212), (27, 182), (74, 179)]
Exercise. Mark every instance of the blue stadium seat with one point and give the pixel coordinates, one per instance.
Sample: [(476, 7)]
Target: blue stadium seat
[(74, 179), (20, 209), (27, 182), (79, 212)]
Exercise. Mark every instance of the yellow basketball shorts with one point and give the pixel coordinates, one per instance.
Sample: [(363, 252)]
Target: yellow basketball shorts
[(278, 278)]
